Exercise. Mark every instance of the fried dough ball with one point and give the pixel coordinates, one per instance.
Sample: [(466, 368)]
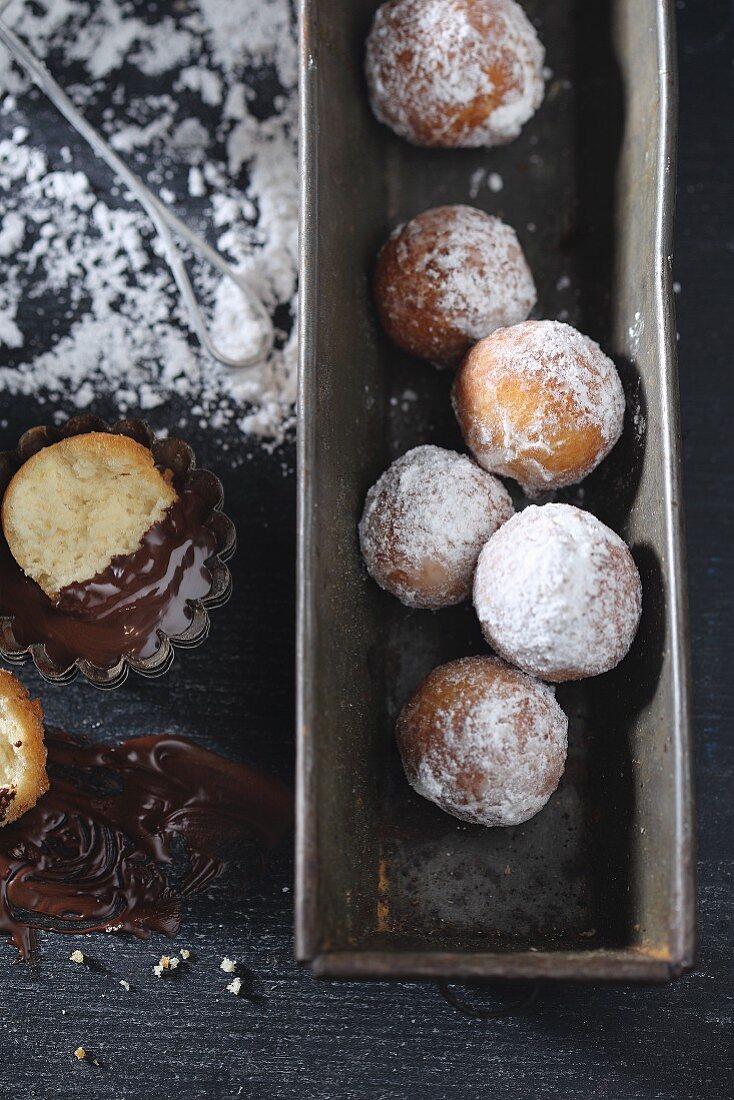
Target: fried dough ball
[(558, 593), (454, 73), (540, 403), (483, 741), (424, 523), (449, 277)]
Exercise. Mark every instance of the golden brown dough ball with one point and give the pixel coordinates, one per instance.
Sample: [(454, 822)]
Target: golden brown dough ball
[(449, 277), (453, 73), (424, 523), (483, 741), (558, 593), (540, 403)]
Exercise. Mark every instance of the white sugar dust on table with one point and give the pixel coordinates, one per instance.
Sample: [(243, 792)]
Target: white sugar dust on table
[(202, 104)]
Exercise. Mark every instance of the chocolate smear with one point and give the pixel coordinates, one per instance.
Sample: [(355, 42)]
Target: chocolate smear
[(126, 832)]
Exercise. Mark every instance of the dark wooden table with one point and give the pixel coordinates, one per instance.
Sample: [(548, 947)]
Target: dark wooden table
[(190, 1038)]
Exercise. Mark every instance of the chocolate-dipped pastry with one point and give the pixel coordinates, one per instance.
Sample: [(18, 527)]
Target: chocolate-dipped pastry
[(122, 610), (129, 611)]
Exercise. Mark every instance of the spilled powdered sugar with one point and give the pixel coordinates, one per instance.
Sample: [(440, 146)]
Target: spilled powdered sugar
[(454, 72), (484, 742), (482, 178), (558, 593), (201, 101), (425, 522)]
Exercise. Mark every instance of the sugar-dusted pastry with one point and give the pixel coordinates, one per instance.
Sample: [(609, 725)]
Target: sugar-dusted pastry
[(454, 73), (539, 402), (558, 593), (424, 523), (483, 741), (449, 277)]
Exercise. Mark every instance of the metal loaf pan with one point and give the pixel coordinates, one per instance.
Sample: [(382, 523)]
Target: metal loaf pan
[(600, 885)]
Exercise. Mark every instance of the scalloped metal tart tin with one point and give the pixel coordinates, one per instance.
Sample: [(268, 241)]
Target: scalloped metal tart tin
[(169, 454)]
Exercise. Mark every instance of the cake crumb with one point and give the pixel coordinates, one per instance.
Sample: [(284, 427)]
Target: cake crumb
[(76, 956), (235, 986), (80, 1053), (166, 962), (228, 965), (185, 953)]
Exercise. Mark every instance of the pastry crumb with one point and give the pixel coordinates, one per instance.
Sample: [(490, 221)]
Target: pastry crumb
[(185, 953), (228, 965), (80, 1053), (166, 962), (76, 956), (235, 986)]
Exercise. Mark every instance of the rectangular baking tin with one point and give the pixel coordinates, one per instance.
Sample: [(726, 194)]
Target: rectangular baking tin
[(600, 885)]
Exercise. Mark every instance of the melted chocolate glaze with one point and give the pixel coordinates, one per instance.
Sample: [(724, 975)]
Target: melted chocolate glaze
[(103, 849), (122, 610)]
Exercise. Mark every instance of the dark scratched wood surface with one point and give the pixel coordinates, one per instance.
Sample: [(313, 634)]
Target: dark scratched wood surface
[(188, 1037)]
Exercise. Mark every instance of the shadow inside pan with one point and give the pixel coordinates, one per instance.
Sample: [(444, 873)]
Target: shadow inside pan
[(556, 881)]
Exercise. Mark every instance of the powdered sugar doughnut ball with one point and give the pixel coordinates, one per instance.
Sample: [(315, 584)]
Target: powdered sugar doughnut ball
[(558, 593), (539, 402), (425, 522), (454, 73), (449, 277), (483, 741)]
